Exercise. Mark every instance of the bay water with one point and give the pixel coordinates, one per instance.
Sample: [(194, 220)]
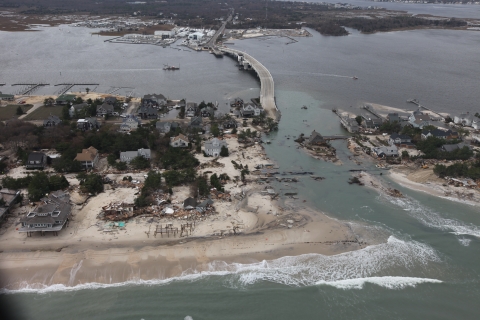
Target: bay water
[(425, 263)]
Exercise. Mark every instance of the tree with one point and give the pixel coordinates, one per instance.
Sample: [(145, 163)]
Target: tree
[(87, 90), (153, 181), (91, 183), (140, 162), (65, 113), (48, 101), (405, 154), (202, 186), (224, 152), (234, 130), (215, 130), (37, 188), (58, 182), (121, 166), (19, 111), (111, 159), (358, 119)]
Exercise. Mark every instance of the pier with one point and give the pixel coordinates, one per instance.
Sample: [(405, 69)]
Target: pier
[(267, 89), (415, 101), (366, 107), (30, 87), (68, 86)]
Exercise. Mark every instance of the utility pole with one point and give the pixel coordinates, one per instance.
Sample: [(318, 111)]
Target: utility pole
[(266, 9)]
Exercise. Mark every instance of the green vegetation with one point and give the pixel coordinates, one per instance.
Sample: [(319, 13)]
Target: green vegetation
[(390, 127), (11, 110), (153, 182), (178, 177), (431, 148), (38, 184), (463, 170), (215, 182), (44, 112), (90, 183), (139, 163), (176, 158), (224, 152)]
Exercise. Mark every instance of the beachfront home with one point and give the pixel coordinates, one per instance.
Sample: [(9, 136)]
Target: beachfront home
[(88, 158), (105, 109), (158, 100), (51, 121), (386, 151), (248, 110), (418, 119), (165, 126), (401, 141), (393, 117), (441, 134), (179, 141), (65, 99), (8, 198), (350, 124), (207, 112), (110, 100), (36, 160), (191, 109), (464, 119), (453, 147), (128, 156), (214, 146), (315, 138), (147, 112), (50, 216), (6, 97), (476, 124)]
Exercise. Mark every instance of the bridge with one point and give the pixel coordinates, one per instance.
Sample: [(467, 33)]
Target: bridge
[(213, 40), (267, 89)]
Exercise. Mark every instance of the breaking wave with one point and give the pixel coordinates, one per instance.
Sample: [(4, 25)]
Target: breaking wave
[(432, 219), (386, 282), (373, 262)]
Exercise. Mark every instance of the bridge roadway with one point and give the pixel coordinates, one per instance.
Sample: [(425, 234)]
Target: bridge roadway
[(267, 89)]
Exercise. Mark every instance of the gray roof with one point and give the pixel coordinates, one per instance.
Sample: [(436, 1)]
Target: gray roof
[(36, 156), (211, 144), (205, 202), (190, 202)]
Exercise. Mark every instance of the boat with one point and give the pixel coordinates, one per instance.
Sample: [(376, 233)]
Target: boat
[(354, 78), (167, 67), (304, 107)]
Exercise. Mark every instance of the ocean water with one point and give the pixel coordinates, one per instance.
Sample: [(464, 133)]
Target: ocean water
[(426, 265)]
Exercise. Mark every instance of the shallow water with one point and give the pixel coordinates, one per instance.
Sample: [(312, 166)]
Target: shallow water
[(427, 265)]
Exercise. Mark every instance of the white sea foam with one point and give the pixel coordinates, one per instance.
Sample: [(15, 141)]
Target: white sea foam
[(386, 282), (432, 219), (304, 270), (464, 241)]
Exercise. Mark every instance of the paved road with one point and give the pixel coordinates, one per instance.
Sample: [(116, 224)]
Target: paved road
[(213, 40), (267, 88), (35, 107)]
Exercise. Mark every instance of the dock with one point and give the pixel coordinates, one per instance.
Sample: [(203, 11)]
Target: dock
[(31, 87), (415, 101), (68, 86)]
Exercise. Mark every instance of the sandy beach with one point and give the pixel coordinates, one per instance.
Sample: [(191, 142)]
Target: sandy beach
[(84, 252)]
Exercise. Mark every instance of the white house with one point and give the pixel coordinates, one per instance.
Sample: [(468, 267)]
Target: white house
[(130, 123), (390, 151), (419, 120), (214, 146), (465, 119), (128, 156), (179, 141), (191, 109)]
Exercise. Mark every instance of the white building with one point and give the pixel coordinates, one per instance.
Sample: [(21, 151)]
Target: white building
[(214, 146)]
